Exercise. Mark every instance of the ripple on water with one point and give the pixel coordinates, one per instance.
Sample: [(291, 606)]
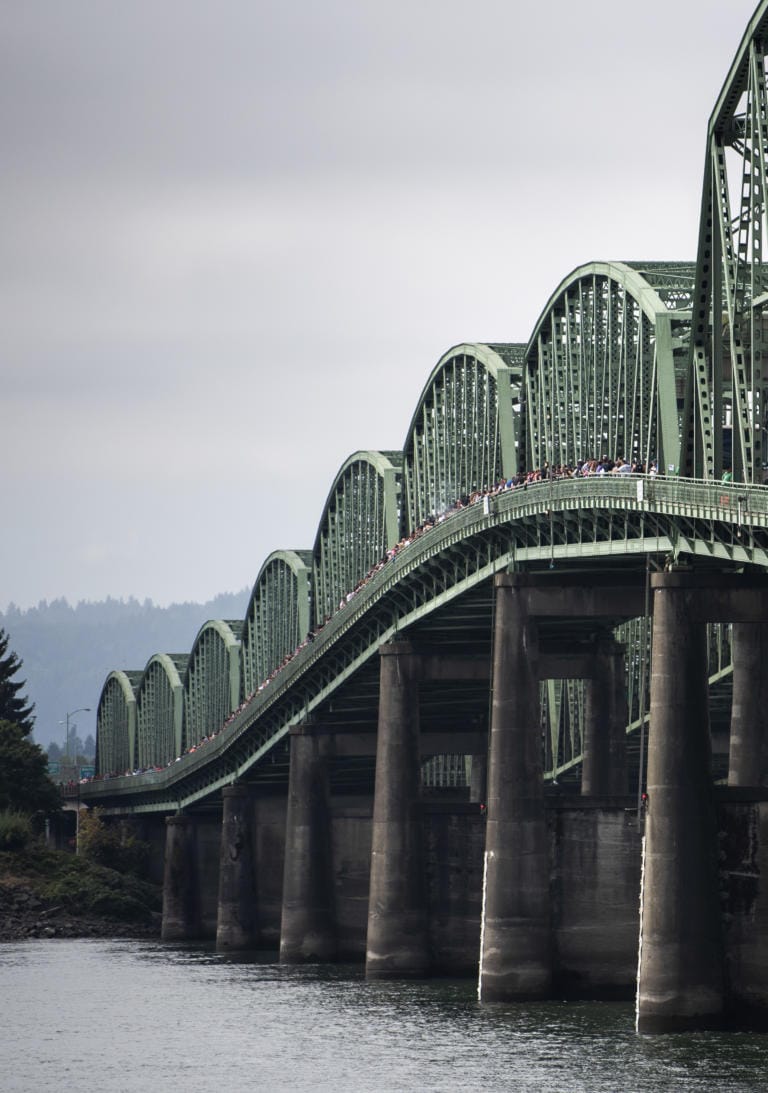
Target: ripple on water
[(137, 1016)]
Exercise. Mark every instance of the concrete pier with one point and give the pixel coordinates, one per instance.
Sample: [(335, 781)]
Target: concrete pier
[(748, 759), (516, 945), (181, 911), (604, 766), (236, 926), (308, 924), (681, 966), (396, 945), (478, 783)]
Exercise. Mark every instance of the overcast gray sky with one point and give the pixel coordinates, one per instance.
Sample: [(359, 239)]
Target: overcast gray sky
[(238, 235)]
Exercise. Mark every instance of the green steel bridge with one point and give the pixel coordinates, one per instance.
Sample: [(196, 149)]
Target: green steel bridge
[(653, 362)]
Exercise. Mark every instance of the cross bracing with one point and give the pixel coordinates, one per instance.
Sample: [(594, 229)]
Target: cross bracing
[(278, 616), (360, 523), (211, 680), (725, 424), (650, 361), (160, 710), (462, 436), (116, 722), (605, 368)]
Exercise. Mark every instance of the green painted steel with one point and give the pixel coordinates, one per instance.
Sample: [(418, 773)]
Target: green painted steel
[(605, 367), (645, 361), (211, 680), (160, 710), (463, 434), (725, 399), (589, 523), (116, 723), (360, 523), (278, 615)]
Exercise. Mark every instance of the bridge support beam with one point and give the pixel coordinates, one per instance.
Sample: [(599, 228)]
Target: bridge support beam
[(516, 946), (604, 764), (181, 910), (308, 925), (236, 925), (748, 762), (396, 945), (681, 966)]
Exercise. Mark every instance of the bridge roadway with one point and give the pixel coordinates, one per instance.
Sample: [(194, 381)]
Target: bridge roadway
[(437, 592), (643, 360)]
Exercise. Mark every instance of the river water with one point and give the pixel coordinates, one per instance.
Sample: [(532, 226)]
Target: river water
[(119, 1017)]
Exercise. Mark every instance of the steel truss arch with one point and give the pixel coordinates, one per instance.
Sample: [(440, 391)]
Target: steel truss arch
[(212, 679), (278, 617), (605, 366), (160, 710), (361, 521), (116, 723), (725, 422), (462, 436)]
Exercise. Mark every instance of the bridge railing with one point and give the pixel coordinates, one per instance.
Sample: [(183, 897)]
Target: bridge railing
[(728, 502)]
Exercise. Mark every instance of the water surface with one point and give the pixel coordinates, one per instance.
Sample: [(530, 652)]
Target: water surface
[(126, 1016)]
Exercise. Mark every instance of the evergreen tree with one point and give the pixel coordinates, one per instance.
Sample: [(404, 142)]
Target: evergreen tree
[(24, 782), (13, 706)]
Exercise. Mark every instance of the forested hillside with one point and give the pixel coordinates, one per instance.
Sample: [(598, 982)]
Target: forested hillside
[(68, 651)]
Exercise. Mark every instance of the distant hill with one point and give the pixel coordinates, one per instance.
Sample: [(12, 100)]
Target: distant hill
[(69, 651)]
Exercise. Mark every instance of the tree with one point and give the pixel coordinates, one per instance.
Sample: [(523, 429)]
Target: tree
[(24, 782), (13, 706)]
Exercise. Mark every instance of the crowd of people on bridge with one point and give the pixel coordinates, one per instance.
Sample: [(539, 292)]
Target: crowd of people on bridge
[(585, 468)]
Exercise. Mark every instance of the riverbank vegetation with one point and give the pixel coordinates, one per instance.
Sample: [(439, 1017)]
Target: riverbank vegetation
[(54, 893)]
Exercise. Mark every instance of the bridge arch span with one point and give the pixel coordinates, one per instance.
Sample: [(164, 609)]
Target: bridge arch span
[(725, 416), (606, 365), (361, 521), (462, 435), (278, 615), (116, 723), (212, 679), (160, 710)]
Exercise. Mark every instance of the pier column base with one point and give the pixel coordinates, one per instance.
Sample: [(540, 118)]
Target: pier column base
[(308, 925), (681, 968), (236, 925), (181, 912), (396, 945), (516, 946)]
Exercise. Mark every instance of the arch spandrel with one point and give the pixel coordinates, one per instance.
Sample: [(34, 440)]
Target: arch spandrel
[(725, 422), (463, 433), (361, 520), (211, 679), (116, 723), (160, 709), (278, 617), (606, 364)]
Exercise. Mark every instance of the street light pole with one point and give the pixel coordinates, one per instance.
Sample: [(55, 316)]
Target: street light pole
[(71, 713)]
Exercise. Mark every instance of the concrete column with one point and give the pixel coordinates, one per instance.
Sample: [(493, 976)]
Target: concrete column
[(396, 945), (604, 765), (308, 924), (748, 763), (181, 914), (516, 946), (681, 966), (478, 779), (236, 924)]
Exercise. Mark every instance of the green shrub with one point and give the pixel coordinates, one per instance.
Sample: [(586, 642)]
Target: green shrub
[(16, 831), (107, 844)]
